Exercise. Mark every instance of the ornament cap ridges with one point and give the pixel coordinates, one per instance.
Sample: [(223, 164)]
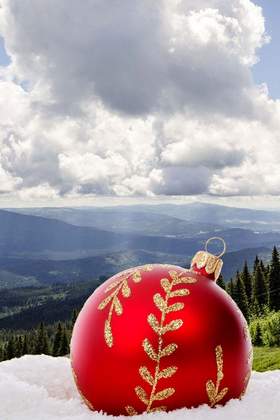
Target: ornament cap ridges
[(208, 264)]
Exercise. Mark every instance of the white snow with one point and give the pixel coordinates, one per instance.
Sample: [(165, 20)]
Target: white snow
[(42, 388)]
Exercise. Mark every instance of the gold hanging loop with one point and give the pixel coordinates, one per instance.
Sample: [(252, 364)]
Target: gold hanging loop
[(216, 238)]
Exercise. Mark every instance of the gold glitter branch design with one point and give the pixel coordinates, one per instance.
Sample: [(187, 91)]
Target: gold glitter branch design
[(213, 392), (160, 328), (120, 285)]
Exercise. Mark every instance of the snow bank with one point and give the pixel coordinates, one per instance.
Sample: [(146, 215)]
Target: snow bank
[(42, 388)]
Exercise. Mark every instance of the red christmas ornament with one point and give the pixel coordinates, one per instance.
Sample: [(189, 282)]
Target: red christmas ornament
[(161, 337)]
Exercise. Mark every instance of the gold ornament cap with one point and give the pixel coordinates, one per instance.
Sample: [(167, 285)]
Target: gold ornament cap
[(207, 264)]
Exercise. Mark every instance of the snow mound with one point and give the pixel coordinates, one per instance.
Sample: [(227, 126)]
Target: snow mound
[(42, 388)]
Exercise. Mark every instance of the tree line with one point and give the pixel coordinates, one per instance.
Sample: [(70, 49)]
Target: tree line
[(256, 292), (50, 340)]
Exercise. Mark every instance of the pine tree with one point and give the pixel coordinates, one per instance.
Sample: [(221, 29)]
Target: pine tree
[(230, 287), (241, 297), (256, 263), (258, 335), (247, 281), (274, 281), (74, 317), (25, 346), (10, 349), (221, 282), (42, 342), (64, 348), (234, 291), (18, 346), (57, 340), (260, 292)]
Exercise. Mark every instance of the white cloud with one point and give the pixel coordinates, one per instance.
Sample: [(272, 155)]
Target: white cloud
[(114, 98)]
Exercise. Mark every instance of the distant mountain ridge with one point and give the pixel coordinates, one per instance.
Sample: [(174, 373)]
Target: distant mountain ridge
[(194, 214), (85, 269), (42, 249)]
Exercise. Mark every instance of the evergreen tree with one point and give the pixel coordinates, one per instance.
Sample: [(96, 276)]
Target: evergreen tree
[(258, 336), (74, 317), (274, 281), (256, 263), (230, 287), (64, 348), (25, 346), (241, 297), (247, 281), (42, 342), (221, 282), (234, 291), (10, 349), (18, 346), (260, 292), (57, 340)]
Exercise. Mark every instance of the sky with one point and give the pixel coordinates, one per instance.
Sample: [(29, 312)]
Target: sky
[(267, 70), (117, 101)]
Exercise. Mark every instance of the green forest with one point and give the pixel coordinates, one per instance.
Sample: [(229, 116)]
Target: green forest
[(256, 292)]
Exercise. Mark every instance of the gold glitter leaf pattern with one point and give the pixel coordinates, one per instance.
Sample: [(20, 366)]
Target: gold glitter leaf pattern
[(116, 287), (186, 280), (141, 394), (108, 333), (165, 284), (131, 411), (172, 326), (168, 350), (159, 302), (118, 306), (212, 390), (160, 408), (149, 350), (105, 302), (168, 372), (175, 307), (146, 375), (113, 285), (152, 320), (180, 292), (126, 292), (162, 395), (160, 328)]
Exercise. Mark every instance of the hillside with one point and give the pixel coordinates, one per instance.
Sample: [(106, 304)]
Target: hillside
[(125, 220)]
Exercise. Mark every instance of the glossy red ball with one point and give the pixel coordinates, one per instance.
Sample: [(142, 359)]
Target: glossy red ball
[(160, 337)]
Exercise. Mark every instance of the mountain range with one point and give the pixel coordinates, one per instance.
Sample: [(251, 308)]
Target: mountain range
[(50, 245)]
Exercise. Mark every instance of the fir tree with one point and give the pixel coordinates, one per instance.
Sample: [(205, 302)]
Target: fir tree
[(74, 317), (230, 287), (221, 282), (10, 349), (234, 292), (274, 281), (258, 335), (256, 263), (64, 348), (247, 281), (260, 292), (241, 297), (18, 346), (42, 342), (25, 346), (57, 340)]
